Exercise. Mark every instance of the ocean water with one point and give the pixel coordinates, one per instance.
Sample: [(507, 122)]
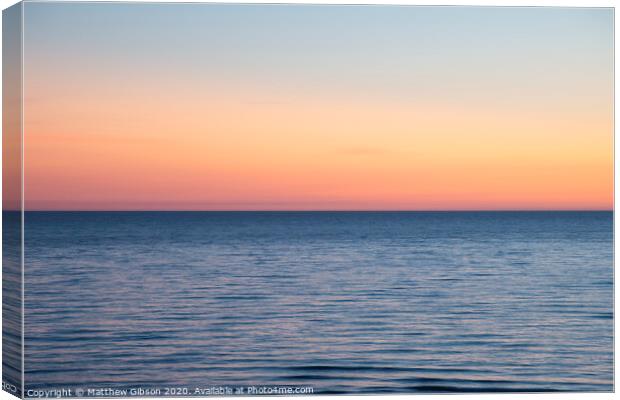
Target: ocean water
[(343, 302)]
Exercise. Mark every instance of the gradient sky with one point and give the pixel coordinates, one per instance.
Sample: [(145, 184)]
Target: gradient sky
[(245, 107)]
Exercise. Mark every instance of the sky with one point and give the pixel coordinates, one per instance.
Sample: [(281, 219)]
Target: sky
[(302, 107)]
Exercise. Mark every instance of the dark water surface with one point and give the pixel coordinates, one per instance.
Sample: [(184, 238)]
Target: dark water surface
[(342, 302)]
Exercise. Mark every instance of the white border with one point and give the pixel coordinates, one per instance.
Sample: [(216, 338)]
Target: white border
[(544, 3), (490, 3)]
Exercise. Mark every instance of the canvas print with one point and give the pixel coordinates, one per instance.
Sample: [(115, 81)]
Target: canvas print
[(298, 199)]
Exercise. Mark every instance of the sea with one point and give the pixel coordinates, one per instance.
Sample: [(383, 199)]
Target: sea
[(319, 302)]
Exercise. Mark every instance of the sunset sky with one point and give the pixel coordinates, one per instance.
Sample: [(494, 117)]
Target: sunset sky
[(276, 107)]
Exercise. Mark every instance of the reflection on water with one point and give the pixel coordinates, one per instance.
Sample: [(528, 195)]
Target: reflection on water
[(343, 302)]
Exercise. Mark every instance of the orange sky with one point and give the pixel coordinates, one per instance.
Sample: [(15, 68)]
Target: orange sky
[(128, 138), (322, 154)]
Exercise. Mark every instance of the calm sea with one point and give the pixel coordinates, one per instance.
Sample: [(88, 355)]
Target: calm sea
[(343, 302)]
